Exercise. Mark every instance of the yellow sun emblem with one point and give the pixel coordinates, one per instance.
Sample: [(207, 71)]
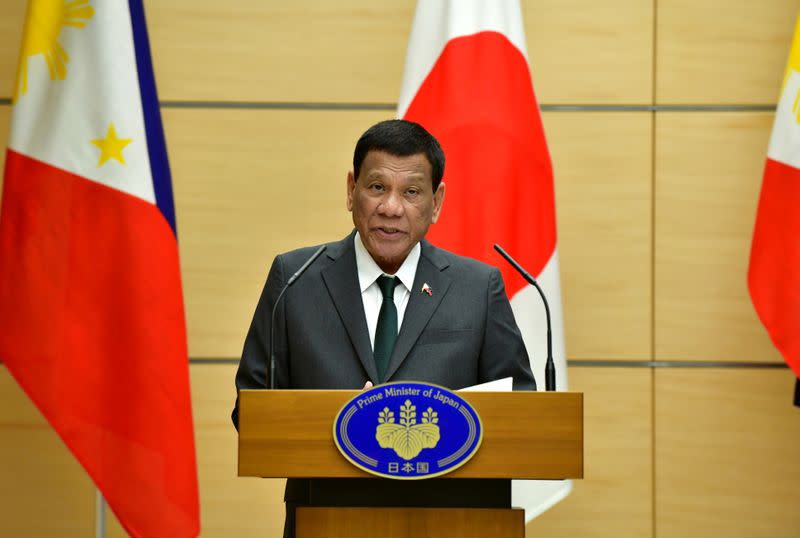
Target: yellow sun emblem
[(45, 20)]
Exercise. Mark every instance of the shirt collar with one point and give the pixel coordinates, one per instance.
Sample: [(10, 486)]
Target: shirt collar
[(368, 270)]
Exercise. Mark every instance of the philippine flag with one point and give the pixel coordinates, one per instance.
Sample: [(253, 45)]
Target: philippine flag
[(91, 306), (467, 81), (774, 273)]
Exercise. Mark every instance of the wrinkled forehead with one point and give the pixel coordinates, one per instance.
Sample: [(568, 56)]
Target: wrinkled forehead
[(378, 163)]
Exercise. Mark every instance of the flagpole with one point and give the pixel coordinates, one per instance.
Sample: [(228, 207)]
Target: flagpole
[(100, 515)]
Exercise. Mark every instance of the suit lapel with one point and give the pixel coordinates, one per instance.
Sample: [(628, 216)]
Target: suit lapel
[(421, 306), (341, 279)]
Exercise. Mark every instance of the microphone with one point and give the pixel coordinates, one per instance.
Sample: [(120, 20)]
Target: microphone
[(291, 281), (550, 367)]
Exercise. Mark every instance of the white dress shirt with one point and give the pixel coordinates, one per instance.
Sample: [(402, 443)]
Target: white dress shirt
[(371, 296)]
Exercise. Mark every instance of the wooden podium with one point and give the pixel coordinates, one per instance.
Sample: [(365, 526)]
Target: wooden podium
[(527, 435)]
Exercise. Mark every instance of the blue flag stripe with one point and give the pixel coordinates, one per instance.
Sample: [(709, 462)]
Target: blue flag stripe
[(156, 144)]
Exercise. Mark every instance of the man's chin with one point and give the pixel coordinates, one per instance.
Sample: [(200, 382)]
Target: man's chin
[(389, 262)]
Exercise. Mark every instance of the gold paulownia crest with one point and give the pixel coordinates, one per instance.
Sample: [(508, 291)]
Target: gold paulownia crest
[(407, 438)]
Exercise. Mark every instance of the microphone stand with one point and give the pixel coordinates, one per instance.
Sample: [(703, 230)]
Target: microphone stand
[(291, 281), (549, 367)]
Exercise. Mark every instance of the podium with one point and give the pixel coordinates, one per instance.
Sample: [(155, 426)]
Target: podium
[(527, 435)]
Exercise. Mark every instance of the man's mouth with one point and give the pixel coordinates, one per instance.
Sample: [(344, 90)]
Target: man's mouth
[(388, 231)]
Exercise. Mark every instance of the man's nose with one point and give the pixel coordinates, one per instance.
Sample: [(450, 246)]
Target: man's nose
[(392, 205)]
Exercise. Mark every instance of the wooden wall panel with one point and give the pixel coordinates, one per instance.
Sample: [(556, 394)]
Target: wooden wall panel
[(43, 489), (305, 50), (722, 52), (584, 52), (614, 498), (355, 52), (232, 506), (311, 50), (229, 505), (602, 167), (250, 184), (708, 178), (726, 452), (10, 39)]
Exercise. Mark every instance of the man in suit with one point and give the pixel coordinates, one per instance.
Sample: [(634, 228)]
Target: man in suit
[(383, 304)]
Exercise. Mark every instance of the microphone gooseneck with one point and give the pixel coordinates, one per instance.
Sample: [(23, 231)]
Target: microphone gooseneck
[(550, 367), (291, 281)]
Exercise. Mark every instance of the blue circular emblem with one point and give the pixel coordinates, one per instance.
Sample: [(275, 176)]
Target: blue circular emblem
[(408, 431)]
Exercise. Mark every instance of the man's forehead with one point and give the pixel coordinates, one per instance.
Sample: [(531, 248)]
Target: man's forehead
[(377, 163)]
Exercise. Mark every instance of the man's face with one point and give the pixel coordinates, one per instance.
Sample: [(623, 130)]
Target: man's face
[(393, 204)]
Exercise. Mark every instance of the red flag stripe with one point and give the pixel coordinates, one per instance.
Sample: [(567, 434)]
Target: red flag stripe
[(774, 275), (94, 332)]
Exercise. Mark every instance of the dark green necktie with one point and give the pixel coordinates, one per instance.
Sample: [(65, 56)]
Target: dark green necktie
[(386, 330)]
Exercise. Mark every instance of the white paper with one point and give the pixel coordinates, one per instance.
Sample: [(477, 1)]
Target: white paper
[(498, 385)]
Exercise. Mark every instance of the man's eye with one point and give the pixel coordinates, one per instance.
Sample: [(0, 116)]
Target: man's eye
[(412, 192), (376, 187)]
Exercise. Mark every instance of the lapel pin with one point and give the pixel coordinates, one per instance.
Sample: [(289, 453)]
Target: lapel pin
[(427, 289)]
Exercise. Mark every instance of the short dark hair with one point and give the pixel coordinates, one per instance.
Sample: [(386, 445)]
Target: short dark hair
[(401, 138)]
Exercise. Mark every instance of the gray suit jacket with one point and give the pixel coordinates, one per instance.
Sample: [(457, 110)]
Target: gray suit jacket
[(462, 334)]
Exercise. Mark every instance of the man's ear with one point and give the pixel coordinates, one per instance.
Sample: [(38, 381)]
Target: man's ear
[(438, 201), (351, 186)]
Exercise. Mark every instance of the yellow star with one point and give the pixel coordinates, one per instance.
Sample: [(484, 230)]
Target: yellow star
[(111, 147)]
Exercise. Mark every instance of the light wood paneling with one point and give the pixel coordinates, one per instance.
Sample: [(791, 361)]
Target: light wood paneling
[(305, 50), (43, 489), (248, 185), (11, 24), (708, 177), (229, 506), (311, 50), (355, 52), (583, 51), (615, 497), (602, 166), (722, 52), (726, 449)]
